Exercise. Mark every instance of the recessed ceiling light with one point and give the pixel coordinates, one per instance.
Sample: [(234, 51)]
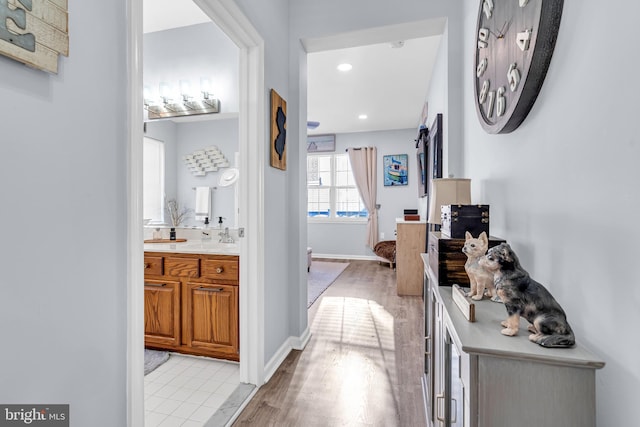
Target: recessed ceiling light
[(345, 67), (362, 116)]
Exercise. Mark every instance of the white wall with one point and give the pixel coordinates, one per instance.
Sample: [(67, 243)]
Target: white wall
[(63, 170), (201, 50), (282, 294), (563, 188), (349, 240), (190, 53)]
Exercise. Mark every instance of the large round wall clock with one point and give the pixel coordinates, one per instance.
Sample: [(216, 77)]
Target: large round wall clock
[(515, 42)]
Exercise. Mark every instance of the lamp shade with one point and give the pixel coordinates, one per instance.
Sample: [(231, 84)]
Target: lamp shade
[(447, 191)]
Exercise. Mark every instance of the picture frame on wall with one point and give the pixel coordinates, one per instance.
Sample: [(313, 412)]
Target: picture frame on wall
[(395, 169), (421, 161), (278, 147), (429, 155), (434, 151), (321, 143)]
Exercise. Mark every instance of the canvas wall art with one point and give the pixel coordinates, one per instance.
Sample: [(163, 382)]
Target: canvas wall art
[(395, 169)]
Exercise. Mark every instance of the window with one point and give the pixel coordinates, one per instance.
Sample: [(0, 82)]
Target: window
[(153, 180), (331, 188)]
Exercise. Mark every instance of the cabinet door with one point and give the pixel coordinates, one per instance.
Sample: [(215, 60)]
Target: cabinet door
[(211, 318), (439, 369), (454, 389), (161, 313)]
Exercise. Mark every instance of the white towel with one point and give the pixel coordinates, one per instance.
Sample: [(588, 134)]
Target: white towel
[(203, 202)]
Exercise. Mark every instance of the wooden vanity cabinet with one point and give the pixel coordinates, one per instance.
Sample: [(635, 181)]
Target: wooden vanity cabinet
[(191, 303), (162, 312), (210, 317)]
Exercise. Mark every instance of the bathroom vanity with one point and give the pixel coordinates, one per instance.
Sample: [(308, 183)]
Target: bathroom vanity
[(191, 298)]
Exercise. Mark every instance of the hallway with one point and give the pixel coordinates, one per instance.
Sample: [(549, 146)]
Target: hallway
[(362, 366)]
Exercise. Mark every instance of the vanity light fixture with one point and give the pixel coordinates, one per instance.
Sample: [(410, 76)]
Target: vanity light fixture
[(181, 102), (363, 117), (345, 67)]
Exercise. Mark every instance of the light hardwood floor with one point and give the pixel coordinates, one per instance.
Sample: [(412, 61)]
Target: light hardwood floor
[(362, 366)]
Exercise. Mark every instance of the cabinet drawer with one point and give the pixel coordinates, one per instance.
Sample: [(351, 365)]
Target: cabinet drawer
[(153, 265), (220, 269), (182, 267)]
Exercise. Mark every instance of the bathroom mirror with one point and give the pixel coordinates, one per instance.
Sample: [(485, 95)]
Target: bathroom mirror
[(181, 140)]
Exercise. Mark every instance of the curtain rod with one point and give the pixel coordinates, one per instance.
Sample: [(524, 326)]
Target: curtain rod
[(356, 148)]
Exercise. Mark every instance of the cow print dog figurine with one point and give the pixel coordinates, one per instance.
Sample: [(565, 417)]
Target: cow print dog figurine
[(523, 296)]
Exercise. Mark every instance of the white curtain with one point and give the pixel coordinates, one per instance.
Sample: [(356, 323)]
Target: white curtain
[(364, 166)]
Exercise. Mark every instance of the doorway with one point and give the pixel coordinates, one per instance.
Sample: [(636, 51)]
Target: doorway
[(237, 27)]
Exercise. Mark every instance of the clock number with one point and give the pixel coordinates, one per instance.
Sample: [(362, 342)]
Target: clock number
[(483, 92), (501, 102), (491, 99), (523, 39), (483, 38), (513, 77), (487, 7), (523, 3), (481, 68)]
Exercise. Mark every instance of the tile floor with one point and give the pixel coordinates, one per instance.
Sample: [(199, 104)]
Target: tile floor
[(186, 391)]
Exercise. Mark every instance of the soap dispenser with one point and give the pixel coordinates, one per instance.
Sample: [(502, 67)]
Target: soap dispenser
[(206, 233), (220, 222)]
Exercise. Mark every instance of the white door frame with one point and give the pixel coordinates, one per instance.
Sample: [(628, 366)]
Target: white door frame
[(252, 139)]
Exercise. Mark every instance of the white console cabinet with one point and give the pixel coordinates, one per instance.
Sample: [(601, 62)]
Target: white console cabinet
[(477, 377)]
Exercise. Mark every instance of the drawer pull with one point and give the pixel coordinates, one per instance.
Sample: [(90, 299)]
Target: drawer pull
[(156, 285), (147, 265), (202, 288), (219, 270)]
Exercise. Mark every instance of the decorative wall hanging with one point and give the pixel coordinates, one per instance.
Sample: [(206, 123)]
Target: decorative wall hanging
[(34, 32), (515, 43), (278, 131), (395, 169), (201, 162)]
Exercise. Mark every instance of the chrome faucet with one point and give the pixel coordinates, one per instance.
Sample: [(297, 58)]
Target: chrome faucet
[(225, 237)]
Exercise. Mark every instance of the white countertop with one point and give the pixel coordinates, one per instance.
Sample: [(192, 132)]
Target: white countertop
[(195, 246)]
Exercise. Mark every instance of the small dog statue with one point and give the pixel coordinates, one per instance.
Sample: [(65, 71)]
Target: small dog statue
[(525, 297), (479, 277)]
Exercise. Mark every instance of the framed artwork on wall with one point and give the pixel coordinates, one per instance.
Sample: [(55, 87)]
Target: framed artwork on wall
[(278, 131), (434, 151), (421, 160), (395, 168)]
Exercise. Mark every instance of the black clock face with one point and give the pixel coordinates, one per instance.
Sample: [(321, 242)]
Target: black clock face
[(515, 42)]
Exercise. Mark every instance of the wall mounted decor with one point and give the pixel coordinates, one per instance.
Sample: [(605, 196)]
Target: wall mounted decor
[(201, 162), (320, 143), (278, 140), (434, 151), (34, 32), (395, 168), (515, 45), (421, 158)]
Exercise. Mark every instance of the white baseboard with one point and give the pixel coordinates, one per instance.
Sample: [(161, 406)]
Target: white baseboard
[(291, 343), (338, 256)]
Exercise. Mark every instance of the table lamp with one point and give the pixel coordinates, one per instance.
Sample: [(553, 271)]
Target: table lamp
[(447, 191)]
